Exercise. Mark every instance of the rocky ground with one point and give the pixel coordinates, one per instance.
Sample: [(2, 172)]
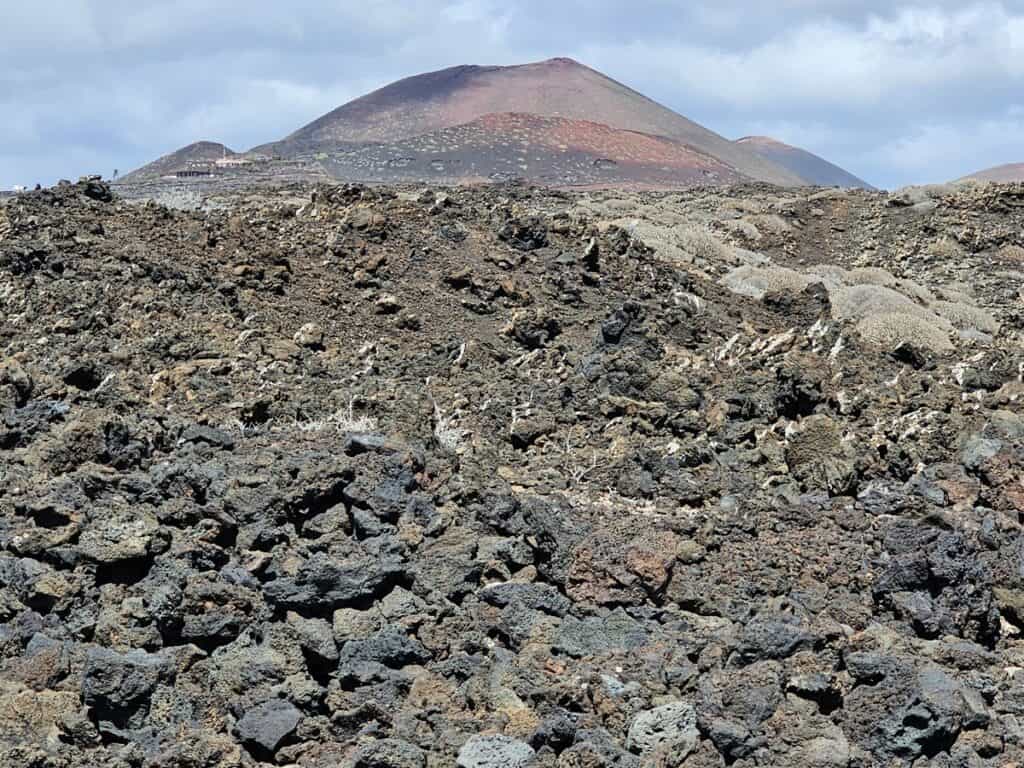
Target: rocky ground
[(393, 478)]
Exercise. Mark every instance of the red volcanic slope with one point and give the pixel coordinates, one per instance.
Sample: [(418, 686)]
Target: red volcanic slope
[(556, 88), (552, 150), (627, 147), (1001, 173), (808, 166)]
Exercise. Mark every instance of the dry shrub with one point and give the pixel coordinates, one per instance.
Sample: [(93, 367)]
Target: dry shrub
[(701, 244), (871, 276), (915, 291), (744, 205), (830, 275), (1012, 254), (890, 329), (742, 228), (658, 238), (856, 302), (771, 223), (619, 206), (751, 258), (668, 218), (957, 293), (757, 281), (597, 210), (914, 195), (945, 248), (966, 316)]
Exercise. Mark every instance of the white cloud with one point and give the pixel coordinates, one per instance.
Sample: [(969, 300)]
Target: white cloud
[(846, 65), (945, 151), (892, 91), (33, 29)]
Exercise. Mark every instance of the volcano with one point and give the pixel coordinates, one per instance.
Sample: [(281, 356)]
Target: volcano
[(556, 123), (808, 166), (552, 151), (557, 88), (1003, 174)]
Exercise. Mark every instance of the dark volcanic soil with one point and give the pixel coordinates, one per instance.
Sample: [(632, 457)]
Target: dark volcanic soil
[(384, 478)]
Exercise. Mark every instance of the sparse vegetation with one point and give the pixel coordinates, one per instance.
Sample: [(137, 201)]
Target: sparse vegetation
[(915, 291), (742, 228), (447, 434), (244, 429), (856, 302), (595, 478), (179, 200), (758, 281), (830, 275), (889, 329), (945, 249), (886, 309), (1013, 254), (771, 223), (449, 437), (966, 316), (871, 276), (956, 292), (702, 244), (346, 421)]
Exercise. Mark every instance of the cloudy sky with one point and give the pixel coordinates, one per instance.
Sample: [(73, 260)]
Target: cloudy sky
[(895, 92)]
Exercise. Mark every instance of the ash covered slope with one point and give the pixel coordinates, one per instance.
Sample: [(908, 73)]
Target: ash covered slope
[(200, 152), (556, 88), (808, 166), (513, 478), (1003, 174), (553, 151)]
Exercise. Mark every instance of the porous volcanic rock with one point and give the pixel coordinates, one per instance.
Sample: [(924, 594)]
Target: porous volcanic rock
[(401, 478)]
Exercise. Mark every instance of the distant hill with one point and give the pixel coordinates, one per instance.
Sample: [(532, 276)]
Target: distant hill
[(560, 88), (554, 122), (545, 150), (808, 166), (198, 153), (1001, 173)]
